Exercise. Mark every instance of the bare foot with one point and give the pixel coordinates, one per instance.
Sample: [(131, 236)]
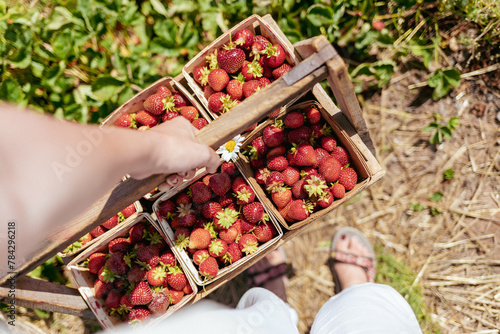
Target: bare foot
[(276, 285), (349, 274)]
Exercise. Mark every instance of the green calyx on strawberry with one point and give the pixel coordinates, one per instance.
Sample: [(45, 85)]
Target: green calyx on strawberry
[(315, 185), (225, 219), (212, 60), (126, 121), (200, 75), (275, 55), (252, 70)]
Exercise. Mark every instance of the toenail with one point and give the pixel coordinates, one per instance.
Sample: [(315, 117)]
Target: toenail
[(342, 237)]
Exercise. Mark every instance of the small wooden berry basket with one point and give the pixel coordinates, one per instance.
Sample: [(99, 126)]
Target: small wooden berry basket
[(84, 280), (188, 262), (256, 25), (357, 161), (138, 210)]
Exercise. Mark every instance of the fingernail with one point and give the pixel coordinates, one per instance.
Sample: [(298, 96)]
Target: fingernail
[(342, 237)]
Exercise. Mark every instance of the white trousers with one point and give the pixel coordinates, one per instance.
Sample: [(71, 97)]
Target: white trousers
[(363, 308)]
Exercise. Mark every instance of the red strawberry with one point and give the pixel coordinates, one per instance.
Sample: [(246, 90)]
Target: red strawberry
[(201, 192), (299, 210), (146, 118), (128, 211), (218, 79), (319, 130), (328, 143), (86, 238), (262, 174), (113, 299), (321, 155), (258, 147), (136, 232), (243, 38), (210, 209), (116, 264), (378, 25), (208, 91), (136, 274), (228, 167), (199, 123), (226, 218), (264, 232), (200, 256), (338, 190), (235, 89), (325, 199), (141, 294), (278, 163), (246, 226), (275, 113), (167, 209), (248, 243), (167, 116), (256, 49), (282, 197), (189, 113), (314, 184), (299, 135), (176, 278), (98, 231), (245, 195), (284, 212), (276, 151), (275, 55), (160, 302), (200, 75), (125, 303), (167, 258), (278, 72), (96, 261), (264, 82), (217, 248), (251, 70), (154, 104), (348, 178), (330, 169), (305, 155), (138, 314), (176, 296), (220, 103), (149, 255), (226, 200), (341, 155), (101, 289), (118, 245), (233, 254), (257, 163), (209, 268), (229, 235), (294, 119), (163, 91), (261, 39), (183, 198), (298, 190), (313, 115), (156, 276), (220, 183), (273, 135), (274, 181), (230, 60), (253, 212), (199, 239), (111, 222), (126, 121), (250, 87), (291, 175), (186, 217), (238, 182), (179, 100)]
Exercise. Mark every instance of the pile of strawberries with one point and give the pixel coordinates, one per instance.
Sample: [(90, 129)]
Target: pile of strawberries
[(136, 275), (160, 107), (243, 66), (217, 220), (300, 164), (101, 229)]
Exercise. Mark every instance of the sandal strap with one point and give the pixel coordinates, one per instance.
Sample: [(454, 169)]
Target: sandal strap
[(367, 263), (259, 278)]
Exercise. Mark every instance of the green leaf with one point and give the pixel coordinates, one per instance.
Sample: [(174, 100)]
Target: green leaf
[(435, 79), (417, 206), (167, 30), (11, 91), (436, 197), (446, 132), (434, 211), (37, 69), (58, 18), (448, 174), (62, 43), (22, 58), (453, 123), (430, 127), (320, 15), (436, 137), (159, 8), (106, 87), (453, 76)]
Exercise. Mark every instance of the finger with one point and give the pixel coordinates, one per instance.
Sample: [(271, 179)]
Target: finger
[(188, 175), (164, 187), (174, 180)]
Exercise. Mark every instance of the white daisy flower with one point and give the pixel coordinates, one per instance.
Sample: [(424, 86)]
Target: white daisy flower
[(229, 151)]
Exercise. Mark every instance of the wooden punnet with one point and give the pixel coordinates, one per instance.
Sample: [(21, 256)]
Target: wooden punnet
[(318, 61)]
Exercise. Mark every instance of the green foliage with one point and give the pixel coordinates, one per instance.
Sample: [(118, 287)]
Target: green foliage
[(417, 206), (441, 129), (442, 81), (51, 271), (448, 174), (436, 197)]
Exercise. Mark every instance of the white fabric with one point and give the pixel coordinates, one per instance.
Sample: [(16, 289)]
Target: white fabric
[(366, 308)]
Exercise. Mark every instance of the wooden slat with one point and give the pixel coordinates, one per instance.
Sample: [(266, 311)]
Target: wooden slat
[(227, 126)]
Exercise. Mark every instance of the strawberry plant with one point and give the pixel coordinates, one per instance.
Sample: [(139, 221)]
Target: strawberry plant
[(441, 129)]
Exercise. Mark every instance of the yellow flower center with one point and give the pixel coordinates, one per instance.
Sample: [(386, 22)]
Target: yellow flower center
[(230, 145)]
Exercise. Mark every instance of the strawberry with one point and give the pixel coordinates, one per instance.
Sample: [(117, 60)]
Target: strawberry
[(149, 255), (274, 181), (298, 190), (160, 302), (278, 72), (294, 119), (212, 60), (126, 121), (217, 248), (275, 113), (245, 195), (261, 39), (234, 88), (176, 278), (226, 200), (233, 254), (200, 75), (290, 175), (330, 169), (96, 261), (116, 264), (200, 255), (220, 183), (141, 294), (101, 289), (321, 155), (167, 209), (338, 190), (218, 79), (86, 238), (299, 135), (243, 38), (220, 103), (238, 182), (209, 268), (146, 118), (261, 175), (273, 135), (179, 100), (154, 104), (282, 197), (305, 155), (267, 71), (258, 147), (228, 167), (128, 211), (341, 155), (163, 91), (187, 216), (325, 199), (136, 232), (255, 50), (313, 115), (113, 299), (264, 82), (251, 70), (264, 232), (378, 25), (319, 130), (138, 314), (118, 245), (257, 163), (250, 87), (167, 116), (328, 143), (136, 274), (284, 212), (275, 55), (299, 210), (253, 212), (201, 192), (348, 178), (230, 60), (276, 151), (209, 209), (111, 222), (229, 235), (226, 218), (278, 163), (314, 184), (183, 198), (167, 258), (189, 113), (156, 276), (176, 296), (208, 91), (199, 123), (199, 239), (98, 231), (248, 243)]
